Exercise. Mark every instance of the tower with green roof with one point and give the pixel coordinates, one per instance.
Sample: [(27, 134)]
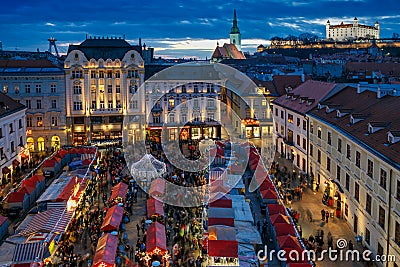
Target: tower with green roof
[(235, 36)]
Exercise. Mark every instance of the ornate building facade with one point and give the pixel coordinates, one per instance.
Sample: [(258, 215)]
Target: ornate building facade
[(353, 31), (39, 84), (102, 75)]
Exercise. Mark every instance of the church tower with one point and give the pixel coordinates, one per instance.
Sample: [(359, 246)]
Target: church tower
[(235, 37)]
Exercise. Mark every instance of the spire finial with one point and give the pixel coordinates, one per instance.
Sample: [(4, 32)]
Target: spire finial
[(235, 28)]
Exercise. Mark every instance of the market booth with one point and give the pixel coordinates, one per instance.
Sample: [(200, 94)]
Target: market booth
[(154, 209), (118, 192), (221, 216), (106, 251), (157, 187), (156, 242), (278, 218), (223, 202), (269, 196), (222, 246), (275, 209), (113, 219), (3, 226), (283, 229)]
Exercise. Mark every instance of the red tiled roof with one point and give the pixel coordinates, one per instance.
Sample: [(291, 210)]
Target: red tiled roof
[(375, 109), (283, 81), (311, 89), (228, 51)]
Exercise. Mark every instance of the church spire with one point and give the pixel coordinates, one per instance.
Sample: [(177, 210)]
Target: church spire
[(235, 28)]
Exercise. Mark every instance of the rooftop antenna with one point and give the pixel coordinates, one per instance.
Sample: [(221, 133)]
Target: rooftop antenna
[(52, 42)]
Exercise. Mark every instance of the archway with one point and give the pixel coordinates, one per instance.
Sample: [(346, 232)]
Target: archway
[(40, 144), (55, 142), (31, 144)]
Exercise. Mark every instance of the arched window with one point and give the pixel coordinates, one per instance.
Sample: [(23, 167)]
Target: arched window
[(40, 144), (55, 142), (31, 144)]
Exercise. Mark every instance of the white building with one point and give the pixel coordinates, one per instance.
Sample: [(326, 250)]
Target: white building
[(12, 136), (353, 31), (354, 155), (39, 84), (102, 74)]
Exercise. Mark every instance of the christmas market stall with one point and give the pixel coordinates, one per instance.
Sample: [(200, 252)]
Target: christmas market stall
[(157, 187), (222, 246), (155, 210), (113, 219), (221, 216), (118, 193), (156, 243), (106, 251)]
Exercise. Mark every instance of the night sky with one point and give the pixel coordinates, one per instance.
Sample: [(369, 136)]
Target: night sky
[(182, 28)]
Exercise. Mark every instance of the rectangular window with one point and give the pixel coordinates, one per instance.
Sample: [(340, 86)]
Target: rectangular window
[(304, 144), (380, 249), (304, 125), (383, 179), (319, 133), (11, 128), (54, 121), (38, 88), (282, 130), (370, 168), (117, 74), (53, 88), (368, 203), (311, 127), (77, 105), (12, 146), (358, 159), (347, 182), (338, 171), (109, 74), (398, 190), (101, 74), (367, 236), (328, 164), (53, 103), (20, 124), (39, 121), (397, 233), (264, 102), (382, 217), (311, 150), (27, 88), (77, 90), (2, 153), (28, 104), (348, 151), (276, 112), (339, 145), (102, 105), (28, 122), (357, 191), (118, 89), (298, 122), (319, 156), (329, 138), (110, 104), (93, 74), (109, 89), (134, 104), (281, 114), (298, 140), (39, 104)]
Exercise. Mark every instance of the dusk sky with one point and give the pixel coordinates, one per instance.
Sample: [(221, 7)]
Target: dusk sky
[(182, 28)]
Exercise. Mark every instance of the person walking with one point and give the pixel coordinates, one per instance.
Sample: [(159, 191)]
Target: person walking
[(138, 229), (330, 240), (327, 216), (350, 245), (322, 215)]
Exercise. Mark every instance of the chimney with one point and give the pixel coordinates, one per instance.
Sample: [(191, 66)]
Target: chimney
[(140, 41)]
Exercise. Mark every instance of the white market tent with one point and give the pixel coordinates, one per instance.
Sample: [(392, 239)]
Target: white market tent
[(148, 169)]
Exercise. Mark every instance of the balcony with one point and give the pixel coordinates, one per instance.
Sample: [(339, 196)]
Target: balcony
[(211, 107), (105, 111)]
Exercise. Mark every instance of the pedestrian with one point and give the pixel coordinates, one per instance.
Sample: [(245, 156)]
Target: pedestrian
[(350, 245), (330, 240), (322, 215), (138, 229), (327, 216), (131, 252)]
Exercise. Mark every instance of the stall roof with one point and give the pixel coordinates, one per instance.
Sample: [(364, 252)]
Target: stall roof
[(223, 248), (223, 202), (106, 251), (220, 213), (54, 220), (221, 232), (157, 187), (28, 253), (113, 218), (247, 233), (156, 239), (275, 209), (241, 209), (15, 197), (269, 194), (154, 207), (288, 241), (3, 220), (60, 189), (282, 229), (118, 190), (279, 218)]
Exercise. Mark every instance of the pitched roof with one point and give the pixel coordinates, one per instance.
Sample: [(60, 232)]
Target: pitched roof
[(388, 69), (104, 48), (383, 110), (8, 105), (38, 63), (282, 82), (227, 51), (312, 90)]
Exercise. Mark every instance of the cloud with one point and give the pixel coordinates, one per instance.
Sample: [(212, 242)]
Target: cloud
[(50, 24)]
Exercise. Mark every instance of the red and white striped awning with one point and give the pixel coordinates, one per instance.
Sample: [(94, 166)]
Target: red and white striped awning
[(54, 220)]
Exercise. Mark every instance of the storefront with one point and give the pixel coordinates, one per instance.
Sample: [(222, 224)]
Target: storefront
[(252, 127)]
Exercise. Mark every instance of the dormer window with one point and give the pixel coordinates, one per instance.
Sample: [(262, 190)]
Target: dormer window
[(321, 106), (393, 137), (376, 126), (354, 118)]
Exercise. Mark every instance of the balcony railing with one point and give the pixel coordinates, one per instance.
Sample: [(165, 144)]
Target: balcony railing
[(105, 110)]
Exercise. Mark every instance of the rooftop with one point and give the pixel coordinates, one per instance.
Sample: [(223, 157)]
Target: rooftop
[(378, 112), (8, 105)]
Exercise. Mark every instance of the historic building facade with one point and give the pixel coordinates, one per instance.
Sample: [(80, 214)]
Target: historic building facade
[(12, 137), (353, 31), (102, 75), (354, 156), (39, 84)]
